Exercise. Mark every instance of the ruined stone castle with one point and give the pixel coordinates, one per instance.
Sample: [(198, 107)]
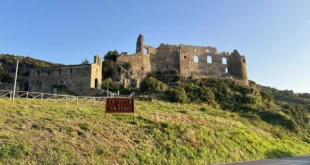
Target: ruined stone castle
[(83, 79), (189, 60)]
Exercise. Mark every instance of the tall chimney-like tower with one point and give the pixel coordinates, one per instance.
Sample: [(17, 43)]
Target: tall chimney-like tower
[(140, 44)]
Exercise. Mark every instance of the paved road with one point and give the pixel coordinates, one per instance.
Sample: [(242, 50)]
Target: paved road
[(301, 160)]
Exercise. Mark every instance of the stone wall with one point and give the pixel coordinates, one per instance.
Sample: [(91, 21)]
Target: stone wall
[(9, 86), (188, 59), (76, 78)]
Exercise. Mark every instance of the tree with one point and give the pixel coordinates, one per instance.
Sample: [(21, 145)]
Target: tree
[(111, 55), (85, 61), (2, 71)]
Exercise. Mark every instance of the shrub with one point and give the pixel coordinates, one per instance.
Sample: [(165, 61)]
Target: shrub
[(151, 84), (174, 71), (177, 94), (267, 95), (113, 86)]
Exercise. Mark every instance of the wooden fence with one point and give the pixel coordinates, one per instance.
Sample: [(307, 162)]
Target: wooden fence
[(56, 98)]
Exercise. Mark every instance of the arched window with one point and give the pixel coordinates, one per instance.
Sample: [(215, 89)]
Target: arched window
[(226, 70), (48, 73), (38, 72), (207, 51), (62, 83), (209, 59), (96, 83), (196, 59), (59, 71), (224, 60)]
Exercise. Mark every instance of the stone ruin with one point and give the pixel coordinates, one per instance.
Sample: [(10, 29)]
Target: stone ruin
[(189, 60)]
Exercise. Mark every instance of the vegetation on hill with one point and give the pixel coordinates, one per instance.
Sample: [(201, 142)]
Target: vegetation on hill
[(8, 67), (35, 132), (227, 94), (197, 121)]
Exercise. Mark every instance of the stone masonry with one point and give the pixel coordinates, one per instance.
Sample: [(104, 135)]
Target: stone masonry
[(189, 60), (79, 79)]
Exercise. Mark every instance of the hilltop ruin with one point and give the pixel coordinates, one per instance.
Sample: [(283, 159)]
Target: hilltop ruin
[(189, 60)]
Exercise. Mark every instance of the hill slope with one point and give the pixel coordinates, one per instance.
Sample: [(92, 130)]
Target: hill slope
[(163, 133), (8, 67)]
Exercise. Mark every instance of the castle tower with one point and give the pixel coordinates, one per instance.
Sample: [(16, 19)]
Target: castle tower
[(96, 73), (237, 67), (140, 44)]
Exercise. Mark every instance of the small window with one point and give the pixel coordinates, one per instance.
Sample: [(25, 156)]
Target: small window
[(38, 72), (224, 60), (62, 83), (37, 82), (209, 59), (226, 70), (59, 71), (146, 51), (196, 59), (185, 57), (244, 60), (207, 51), (48, 72), (195, 50), (70, 71)]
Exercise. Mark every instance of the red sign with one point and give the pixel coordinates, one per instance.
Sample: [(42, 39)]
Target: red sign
[(119, 105)]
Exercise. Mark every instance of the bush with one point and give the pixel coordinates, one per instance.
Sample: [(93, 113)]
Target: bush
[(151, 84), (113, 86), (267, 95), (177, 94), (174, 71), (304, 95)]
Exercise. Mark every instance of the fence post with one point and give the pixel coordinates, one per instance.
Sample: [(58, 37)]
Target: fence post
[(10, 95), (77, 100), (66, 99), (27, 95), (41, 97), (94, 100)]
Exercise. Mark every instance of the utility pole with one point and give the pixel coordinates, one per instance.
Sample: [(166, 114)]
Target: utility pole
[(108, 88), (15, 81)]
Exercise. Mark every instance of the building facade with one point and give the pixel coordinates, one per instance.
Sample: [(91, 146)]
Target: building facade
[(83, 79)]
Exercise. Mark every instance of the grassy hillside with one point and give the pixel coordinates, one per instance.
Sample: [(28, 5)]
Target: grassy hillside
[(34, 132)]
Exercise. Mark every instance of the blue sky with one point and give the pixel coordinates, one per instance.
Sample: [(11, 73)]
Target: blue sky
[(274, 35)]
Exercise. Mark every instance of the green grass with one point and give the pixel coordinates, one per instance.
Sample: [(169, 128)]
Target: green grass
[(34, 132)]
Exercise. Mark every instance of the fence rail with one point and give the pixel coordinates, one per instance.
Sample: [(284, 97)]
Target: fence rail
[(57, 98)]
